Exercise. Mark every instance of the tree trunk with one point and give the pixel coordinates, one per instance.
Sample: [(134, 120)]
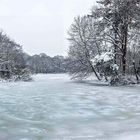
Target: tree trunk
[(124, 49), (136, 72), (124, 60), (93, 69)]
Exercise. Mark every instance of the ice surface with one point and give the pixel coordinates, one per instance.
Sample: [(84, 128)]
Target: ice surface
[(54, 108)]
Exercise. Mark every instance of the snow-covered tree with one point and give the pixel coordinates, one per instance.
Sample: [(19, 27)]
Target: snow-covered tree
[(121, 18), (83, 47), (12, 61), (113, 27)]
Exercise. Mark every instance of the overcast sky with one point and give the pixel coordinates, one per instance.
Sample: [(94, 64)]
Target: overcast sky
[(40, 26)]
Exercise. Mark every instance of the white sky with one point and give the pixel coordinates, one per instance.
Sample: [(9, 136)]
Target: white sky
[(40, 26)]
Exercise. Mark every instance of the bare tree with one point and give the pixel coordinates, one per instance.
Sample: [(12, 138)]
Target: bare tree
[(83, 47)]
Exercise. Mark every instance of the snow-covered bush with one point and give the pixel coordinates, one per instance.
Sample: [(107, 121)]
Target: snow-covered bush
[(103, 57), (105, 65), (23, 75), (110, 71)]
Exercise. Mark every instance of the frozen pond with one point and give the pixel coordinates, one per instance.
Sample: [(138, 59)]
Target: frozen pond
[(52, 107)]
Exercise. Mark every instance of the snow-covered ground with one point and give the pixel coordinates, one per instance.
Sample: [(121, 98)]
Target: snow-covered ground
[(52, 107)]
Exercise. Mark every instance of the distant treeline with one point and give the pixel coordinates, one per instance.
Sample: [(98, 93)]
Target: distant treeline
[(16, 65), (43, 63)]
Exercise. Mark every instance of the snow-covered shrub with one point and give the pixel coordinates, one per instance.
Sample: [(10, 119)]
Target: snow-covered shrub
[(105, 65), (110, 71), (103, 57), (23, 75)]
